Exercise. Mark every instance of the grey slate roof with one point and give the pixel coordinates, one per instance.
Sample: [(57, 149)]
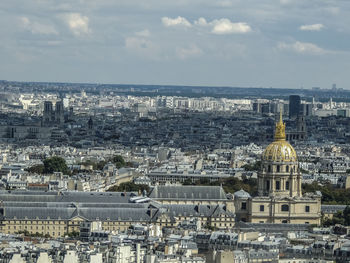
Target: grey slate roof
[(241, 194), (78, 197), (94, 206), (332, 209), (188, 192)]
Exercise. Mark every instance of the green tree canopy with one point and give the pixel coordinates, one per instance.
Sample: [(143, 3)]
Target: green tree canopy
[(38, 169), (118, 160), (128, 187), (55, 164)]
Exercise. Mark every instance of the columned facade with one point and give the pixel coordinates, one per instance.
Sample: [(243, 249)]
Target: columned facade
[(280, 198)]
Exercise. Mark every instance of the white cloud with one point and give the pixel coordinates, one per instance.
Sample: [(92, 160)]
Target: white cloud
[(37, 28), (179, 21), (143, 33), (313, 27), (192, 51), (77, 23), (224, 26), (201, 22), (302, 48)]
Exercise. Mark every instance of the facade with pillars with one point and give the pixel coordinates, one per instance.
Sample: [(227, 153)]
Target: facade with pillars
[(280, 198)]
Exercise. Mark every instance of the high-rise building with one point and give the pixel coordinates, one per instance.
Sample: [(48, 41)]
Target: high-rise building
[(294, 106)]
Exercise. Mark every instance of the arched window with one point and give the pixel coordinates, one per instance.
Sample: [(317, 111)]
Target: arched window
[(278, 185), (285, 208)]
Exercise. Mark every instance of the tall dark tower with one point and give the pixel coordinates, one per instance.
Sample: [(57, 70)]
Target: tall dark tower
[(294, 106), (59, 112), (90, 124), (48, 113)]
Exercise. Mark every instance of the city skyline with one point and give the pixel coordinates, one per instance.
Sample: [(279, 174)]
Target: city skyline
[(288, 44)]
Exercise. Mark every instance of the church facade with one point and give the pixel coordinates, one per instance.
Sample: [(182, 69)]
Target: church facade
[(280, 198)]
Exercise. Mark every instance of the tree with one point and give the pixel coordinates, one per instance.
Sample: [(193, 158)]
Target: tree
[(128, 187), (55, 164), (118, 160), (346, 214), (252, 167), (37, 169)]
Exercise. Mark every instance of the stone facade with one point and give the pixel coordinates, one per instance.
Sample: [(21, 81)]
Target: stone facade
[(280, 198)]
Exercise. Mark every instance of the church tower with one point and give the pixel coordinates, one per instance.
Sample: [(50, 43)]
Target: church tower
[(280, 198), (279, 174)]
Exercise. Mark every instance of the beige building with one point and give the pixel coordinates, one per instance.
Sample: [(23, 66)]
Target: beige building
[(192, 195), (280, 198), (57, 213)]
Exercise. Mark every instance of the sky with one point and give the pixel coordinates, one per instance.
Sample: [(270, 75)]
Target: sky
[(241, 43)]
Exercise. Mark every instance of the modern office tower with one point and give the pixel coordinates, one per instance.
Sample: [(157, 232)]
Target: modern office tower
[(294, 106), (306, 109)]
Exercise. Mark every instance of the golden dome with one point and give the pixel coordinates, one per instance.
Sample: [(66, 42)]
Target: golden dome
[(280, 150)]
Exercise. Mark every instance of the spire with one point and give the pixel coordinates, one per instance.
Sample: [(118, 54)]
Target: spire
[(280, 132)]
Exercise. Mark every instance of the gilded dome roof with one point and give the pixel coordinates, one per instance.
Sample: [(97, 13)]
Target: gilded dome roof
[(280, 150)]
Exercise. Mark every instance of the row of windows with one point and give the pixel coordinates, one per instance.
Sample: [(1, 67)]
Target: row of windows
[(278, 169), (278, 185), (285, 208)]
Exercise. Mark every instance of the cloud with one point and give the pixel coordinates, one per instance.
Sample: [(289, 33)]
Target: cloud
[(314, 27), (37, 28), (224, 26), (302, 48), (179, 21), (201, 22), (192, 51), (143, 33), (77, 23)]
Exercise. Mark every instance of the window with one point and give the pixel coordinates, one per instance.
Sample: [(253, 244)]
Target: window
[(278, 187), (307, 209), (285, 208), (287, 185), (269, 168), (278, 168), (262, 208), (284, 221), (267, 185), (287, 168), (244, 206)]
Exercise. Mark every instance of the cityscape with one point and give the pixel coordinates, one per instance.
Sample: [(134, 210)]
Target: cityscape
[(96, 174), (186, 131)]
